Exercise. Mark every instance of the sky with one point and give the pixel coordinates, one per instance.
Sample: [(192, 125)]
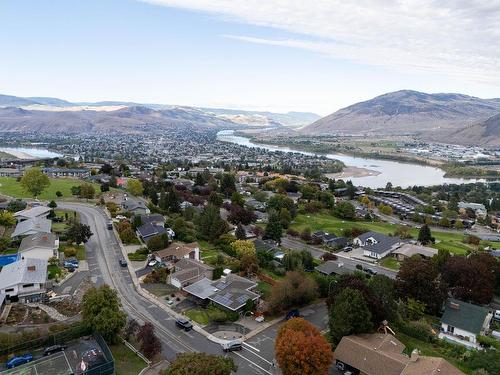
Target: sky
[(277, 55)]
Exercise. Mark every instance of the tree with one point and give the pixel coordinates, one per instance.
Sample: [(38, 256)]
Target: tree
[(424, 235), (441, 258), (243, 247), (285, 218), (150, 344), (135, 187), (403, 231), (294, 290), (171, 201), (384, 291), (78, 233), (16, 205), (34, 181), (227, 184), (209, 223), (237, 198), (7, 219), (249, 264), (131, 329), (87, 191), (59, 194), (349, 315), (240, 215), (273, 229), (240, 232), (52, 204), (419, 279), (104, 187), (158, 242), (345, 210), (200, 364), (301, 349), (101, 312)]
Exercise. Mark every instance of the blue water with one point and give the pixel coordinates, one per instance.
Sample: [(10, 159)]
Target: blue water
[(8, 259), (33, 152)]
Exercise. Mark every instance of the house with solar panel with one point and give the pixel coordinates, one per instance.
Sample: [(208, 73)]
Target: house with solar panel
[(230, 292)]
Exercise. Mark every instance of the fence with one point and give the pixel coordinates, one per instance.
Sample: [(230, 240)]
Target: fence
[(107, 368)]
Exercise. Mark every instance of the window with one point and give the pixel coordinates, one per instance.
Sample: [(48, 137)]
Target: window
[(9, 290), (28, 285), (450, 329)]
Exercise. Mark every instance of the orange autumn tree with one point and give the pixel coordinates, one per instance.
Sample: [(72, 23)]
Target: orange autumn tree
[(301, 350)]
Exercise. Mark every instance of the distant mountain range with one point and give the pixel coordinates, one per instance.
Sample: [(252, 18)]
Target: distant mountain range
[(442, 117), (53, 114)]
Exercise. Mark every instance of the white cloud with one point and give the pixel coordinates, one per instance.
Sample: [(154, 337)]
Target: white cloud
[(458, 38)]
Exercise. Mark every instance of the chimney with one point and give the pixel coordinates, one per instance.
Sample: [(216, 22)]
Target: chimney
[(454, 306), (31, 268), (414, 355)]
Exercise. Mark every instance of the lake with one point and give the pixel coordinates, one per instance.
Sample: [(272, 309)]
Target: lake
[(398, 173), (26, 152)]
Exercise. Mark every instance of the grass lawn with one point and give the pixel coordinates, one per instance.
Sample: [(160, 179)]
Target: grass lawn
[(264, 288), (205, 316), (80, 250), (54, 271), (390, 262), (208, 251), (328, 223), (126, 361), (9, 186)]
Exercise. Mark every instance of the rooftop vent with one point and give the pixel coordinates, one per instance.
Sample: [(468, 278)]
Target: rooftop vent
[(31, 268)]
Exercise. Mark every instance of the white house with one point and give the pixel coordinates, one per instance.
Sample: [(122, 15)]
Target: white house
[(377, 245), (24, 279), (462, 322), (32, 226), (40, 246), (32, 213)]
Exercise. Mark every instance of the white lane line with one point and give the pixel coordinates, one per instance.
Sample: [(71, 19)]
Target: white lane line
[(253, 363), (255, 354), (250, 346)]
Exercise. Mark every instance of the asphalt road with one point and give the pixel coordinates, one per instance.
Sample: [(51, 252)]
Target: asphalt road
[(103, 254)]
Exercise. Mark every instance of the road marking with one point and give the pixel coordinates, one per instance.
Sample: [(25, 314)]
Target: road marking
[(251, 347), (265, 360), (253, 363)]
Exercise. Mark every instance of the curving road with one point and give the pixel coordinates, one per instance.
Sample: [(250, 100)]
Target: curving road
[(103, 254)]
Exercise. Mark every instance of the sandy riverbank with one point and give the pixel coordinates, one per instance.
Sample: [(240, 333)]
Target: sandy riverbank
[(16, 154), (353, 172)]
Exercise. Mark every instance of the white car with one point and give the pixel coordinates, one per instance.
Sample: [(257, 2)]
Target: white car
[(259, 319), (152, 263)]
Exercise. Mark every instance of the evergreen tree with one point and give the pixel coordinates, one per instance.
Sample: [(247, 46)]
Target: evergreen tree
[(209, 224), (240, 232), (424, 235), (273, 229)]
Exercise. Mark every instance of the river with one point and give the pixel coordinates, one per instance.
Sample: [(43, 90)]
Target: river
[(28, 153), (398, 173)]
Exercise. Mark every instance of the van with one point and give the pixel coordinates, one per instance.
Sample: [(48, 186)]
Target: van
[(232, 346)]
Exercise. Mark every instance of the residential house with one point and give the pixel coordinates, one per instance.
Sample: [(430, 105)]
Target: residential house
[(294, 196), (135, 206), (66, 172), (31, 226), (40, 246), (188, 271), (177, 251), (331, 267), (185, 204), (378, 353), (462, 322), (478, 209), (330, 239), (10, 172), (153, 225), (33, 213), (377, 245), (24, 280), (230, 292), (407, 250)]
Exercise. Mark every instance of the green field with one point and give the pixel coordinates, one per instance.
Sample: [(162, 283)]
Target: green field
[(328, 223), (9, 186), (126, 361), (390, 262)]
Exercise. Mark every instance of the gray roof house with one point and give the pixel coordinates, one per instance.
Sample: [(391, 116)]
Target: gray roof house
[(230, 292), (152, 225), (462, 322), (32, 226), (189, 271), (377, 245), (32, 213), (24, 279), (135, 206), (40, 246)]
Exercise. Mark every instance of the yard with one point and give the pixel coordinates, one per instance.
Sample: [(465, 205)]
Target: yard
[(328, 223), (126, 361), (54, 271), (80, 251), (9, 186), (390, 262), (208, 315), (264, 289)]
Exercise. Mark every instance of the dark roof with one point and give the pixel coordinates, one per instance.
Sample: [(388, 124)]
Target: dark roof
[(376, 235), (383, 246), (330, 267), (338, 241), (464, 315), (148, 230), (152, 218), (264, 245)]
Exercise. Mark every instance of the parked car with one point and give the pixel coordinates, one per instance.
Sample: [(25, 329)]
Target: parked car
[(260, 319), (292, 314), (19, 360), (184, 324), (152, 263), (347, 249), (110, 225), (54, 349), (123, 263), (496, 315), (232, 346), (69, 265), (370, 271)]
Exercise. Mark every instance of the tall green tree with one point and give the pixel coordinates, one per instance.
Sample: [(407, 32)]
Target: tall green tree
[(34, 181), (135, 187), (273, 230), (209, 223), (78, 233), (101, 312), (424, 235), (349, 315)]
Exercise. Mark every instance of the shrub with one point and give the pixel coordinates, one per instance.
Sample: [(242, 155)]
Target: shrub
[(70, 252)]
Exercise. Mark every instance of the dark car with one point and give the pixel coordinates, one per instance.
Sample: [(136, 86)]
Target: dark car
[(232, 346), (292, 314), (123, 263), (370, 271), (184, 324), (54, 349), (347, 249), (110, 225), (19, 360)]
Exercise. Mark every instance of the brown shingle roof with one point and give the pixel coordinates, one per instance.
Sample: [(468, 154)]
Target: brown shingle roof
[(176, 250)]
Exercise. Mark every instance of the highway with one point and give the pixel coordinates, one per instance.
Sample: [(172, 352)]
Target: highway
[(103, 254)]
